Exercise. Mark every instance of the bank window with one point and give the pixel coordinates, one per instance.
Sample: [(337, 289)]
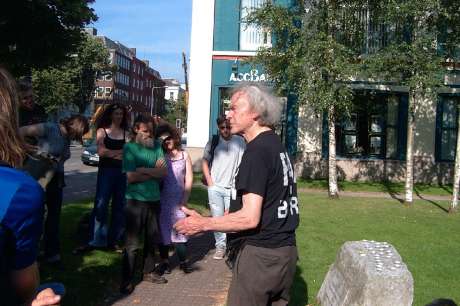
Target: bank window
[(447, 122), (371, 129), (224, 100), (252, 36)]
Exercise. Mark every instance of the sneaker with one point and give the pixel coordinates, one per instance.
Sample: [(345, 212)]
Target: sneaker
[(219, 254), (184, 266), (163, 268), (155, 278)]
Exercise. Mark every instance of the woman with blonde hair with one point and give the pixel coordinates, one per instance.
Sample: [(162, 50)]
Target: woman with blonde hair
[(21, 210)]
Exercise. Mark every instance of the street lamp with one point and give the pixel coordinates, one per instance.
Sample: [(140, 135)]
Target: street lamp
[(151, 102)]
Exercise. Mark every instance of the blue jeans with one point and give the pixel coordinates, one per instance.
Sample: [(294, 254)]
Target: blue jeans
[(111, 184), (219, 201)]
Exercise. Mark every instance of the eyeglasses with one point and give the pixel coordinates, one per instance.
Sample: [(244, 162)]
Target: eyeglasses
[(224, 127)]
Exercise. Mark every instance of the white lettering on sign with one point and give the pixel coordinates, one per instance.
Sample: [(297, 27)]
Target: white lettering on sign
[(252, 76)]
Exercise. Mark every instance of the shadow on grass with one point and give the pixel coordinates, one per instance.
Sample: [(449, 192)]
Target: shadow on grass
[(88, 279), (94, 278), (431, 201), (393, 190), (299, 290)]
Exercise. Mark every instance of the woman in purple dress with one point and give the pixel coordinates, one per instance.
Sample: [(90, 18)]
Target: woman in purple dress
[(175, 192)]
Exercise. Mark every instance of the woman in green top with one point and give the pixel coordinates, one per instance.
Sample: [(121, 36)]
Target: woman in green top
[(144, 165)]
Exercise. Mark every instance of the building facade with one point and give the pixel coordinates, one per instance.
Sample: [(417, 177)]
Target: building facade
[(221, 45), (173, 89), (371, 142), (133, 83)]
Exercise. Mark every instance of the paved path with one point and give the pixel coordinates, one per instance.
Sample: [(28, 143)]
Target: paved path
[(382, 195), (206, 286)]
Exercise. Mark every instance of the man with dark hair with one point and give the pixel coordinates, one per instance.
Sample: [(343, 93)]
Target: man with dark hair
[(264, 212), (144, 165), (221, 158), (29, 111)]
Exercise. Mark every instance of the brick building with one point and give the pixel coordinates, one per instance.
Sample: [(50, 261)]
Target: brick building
[(133, 83)]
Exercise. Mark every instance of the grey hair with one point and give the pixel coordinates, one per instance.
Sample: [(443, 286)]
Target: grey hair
[(262, 101)]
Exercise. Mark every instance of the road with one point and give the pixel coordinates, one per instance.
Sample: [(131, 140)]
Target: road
[(80, 179)]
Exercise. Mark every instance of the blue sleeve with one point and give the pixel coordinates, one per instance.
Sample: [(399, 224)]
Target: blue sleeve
[(24, 218)]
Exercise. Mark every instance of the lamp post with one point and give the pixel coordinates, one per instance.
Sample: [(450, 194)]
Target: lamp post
[(151, 102)]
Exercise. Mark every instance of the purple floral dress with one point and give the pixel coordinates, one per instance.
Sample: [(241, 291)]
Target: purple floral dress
[(170, 200)]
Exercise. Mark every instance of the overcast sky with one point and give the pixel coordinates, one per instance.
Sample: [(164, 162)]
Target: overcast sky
[(158, 29)]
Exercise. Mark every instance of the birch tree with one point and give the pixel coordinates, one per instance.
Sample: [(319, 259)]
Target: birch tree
[(412, 58), (315, 51)]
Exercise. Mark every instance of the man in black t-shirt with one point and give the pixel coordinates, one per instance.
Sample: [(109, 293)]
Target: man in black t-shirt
[(264, 211)]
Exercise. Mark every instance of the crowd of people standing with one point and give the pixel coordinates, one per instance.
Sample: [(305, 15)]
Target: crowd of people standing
[(145, 177)]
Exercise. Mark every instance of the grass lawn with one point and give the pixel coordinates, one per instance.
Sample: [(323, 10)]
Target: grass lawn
[(425, 236), (90, 279), (425, 189)]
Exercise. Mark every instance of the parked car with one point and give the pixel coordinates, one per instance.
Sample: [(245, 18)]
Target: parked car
[(89, 155)]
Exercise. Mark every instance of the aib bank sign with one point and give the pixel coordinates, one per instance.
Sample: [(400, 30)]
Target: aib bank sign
[(251, 76)]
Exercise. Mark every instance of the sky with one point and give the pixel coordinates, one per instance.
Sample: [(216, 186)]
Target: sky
[(158, 29)]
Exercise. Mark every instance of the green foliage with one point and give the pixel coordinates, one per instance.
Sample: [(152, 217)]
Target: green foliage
[(91, 61), (54, 88), (315, 51), (73, 82), (413, 57), (176, 110), (41, 33)]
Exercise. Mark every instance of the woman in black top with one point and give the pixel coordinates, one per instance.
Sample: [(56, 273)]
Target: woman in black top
[(112, 131)]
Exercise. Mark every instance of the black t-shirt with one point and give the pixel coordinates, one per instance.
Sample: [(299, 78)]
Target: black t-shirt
[(266, 170)]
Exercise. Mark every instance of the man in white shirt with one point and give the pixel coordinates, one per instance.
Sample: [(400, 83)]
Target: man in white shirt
[(220, 162)]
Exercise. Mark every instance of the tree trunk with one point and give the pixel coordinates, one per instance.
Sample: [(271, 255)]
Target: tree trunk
[(332, 164), (409, 186), (453, 205)]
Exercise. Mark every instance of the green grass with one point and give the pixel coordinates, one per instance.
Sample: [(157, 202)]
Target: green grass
[(425, 236), (425, 189), (90, 279)]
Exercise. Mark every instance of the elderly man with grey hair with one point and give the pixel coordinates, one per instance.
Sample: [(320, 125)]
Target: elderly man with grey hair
[(264, 211)]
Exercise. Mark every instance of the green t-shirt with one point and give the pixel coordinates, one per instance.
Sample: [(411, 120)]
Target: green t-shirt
[(137, 156)]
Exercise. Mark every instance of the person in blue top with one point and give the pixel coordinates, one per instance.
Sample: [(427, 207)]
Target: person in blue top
[(21, 211)]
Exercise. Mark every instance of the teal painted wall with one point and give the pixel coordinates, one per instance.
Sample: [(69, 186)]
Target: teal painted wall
[(226, 25), (221, 77)]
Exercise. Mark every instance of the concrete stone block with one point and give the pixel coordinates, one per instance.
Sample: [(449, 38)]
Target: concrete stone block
[(367, 273)]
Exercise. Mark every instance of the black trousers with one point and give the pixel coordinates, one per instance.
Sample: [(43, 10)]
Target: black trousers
[(141, 221), (53, 201), (262, 276)]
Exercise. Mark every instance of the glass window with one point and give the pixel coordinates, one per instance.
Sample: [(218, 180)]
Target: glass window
[(447, 128), (251, 36), (370, 129), (391, 125), (224, 103)]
